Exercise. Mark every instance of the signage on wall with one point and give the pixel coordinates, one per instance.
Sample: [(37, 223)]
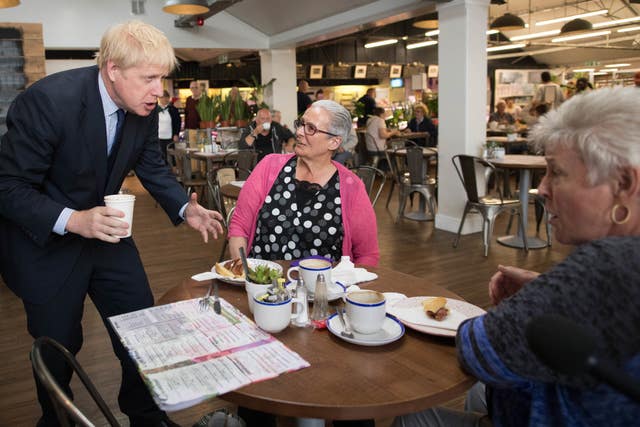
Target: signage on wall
[(360, 72), (315, 72), (432, 71)]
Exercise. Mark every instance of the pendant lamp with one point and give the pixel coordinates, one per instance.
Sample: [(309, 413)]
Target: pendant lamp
[(8, 3), (575, 26), (185, 7), (508, 21)]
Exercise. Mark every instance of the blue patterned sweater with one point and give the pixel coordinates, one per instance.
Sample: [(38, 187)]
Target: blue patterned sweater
[(598, 286)]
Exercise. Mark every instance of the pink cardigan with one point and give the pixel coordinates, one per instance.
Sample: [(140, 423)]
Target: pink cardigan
[(360, 239)]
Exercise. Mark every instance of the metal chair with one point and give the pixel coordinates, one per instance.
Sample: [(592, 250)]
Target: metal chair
[(474, 173), (541, 213), (183, 166), (417, 181), (243, 160), (373, 179), (63, 405), (218, 178)]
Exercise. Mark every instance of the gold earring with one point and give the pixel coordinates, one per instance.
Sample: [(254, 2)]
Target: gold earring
[(614, 218)]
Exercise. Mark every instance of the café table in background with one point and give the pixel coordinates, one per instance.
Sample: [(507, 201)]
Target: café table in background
[(526, 164), (347, 381)]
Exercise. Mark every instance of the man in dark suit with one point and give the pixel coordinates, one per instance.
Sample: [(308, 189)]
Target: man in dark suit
[(58, 242)]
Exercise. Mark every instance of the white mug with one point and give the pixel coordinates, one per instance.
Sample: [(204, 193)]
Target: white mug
[(275, 317), (366, 311), (308, 269), (266, 126)]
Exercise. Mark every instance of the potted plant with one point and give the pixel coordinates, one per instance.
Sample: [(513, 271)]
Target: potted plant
[(240, 111), (225, 111), (257, 94), (208, 108)]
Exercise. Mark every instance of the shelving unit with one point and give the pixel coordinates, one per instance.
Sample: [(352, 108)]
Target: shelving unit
[(21, 62)]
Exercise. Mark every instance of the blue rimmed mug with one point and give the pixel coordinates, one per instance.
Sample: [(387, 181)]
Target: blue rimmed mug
[(275, 317), (366, 310), (309, 268)]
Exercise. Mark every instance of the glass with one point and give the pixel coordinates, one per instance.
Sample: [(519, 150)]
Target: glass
[(309, 128)]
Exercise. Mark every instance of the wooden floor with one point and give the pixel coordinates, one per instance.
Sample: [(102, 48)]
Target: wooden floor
[(171, 254)]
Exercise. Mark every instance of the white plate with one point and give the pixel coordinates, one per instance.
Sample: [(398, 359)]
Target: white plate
[(335, 291), (410, 312), (252, 264), (392, 330)]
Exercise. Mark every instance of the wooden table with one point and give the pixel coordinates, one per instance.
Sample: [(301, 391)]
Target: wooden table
[(230, 191), (526, 164), (347, 381)]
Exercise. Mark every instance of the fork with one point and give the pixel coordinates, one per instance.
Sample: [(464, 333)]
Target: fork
[(216, 299), (204, 302), (346, 330)]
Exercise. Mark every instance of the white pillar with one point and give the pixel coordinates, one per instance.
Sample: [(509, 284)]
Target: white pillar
[(462, 97), (281, 65)]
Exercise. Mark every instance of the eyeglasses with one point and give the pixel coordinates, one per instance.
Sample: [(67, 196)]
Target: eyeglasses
[(309, 128)]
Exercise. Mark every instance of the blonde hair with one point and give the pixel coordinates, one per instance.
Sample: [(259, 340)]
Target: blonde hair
[(134, 42), (423, 107)]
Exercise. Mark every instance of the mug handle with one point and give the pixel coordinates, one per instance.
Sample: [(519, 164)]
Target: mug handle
[(297, 302), (296, 268)]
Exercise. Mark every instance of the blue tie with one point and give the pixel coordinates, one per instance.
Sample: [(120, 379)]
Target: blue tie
[(116, 141)]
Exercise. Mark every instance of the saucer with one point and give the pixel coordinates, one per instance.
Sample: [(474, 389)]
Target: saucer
[(392, 330)]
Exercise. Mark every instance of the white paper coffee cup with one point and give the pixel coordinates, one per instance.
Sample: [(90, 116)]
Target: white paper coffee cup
[(124, 203)]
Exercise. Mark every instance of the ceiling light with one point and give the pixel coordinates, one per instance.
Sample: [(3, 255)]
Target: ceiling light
[(608, 70), (570, 17), (186, 7), (9, 3), (508, 21), (626, 30), (381, 43), (430, 22), (432, 33), (616, 65), (506, 47), (616, 22), (599, 74), (535, 35), (489, 32), (421, 44), (580, 36), (575, 26), (584, 70)]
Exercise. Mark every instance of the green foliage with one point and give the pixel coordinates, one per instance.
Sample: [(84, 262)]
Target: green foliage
[(432, 104), (208, 108), (358, 111), (257, 94), (240, 110), (263, 274), (225, 108)]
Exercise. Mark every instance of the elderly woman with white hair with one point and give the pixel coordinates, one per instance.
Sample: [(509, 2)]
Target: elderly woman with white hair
[(592, 193), (303, 204)]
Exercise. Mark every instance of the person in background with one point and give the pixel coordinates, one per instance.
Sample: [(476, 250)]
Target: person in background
[(289, 139), (59, 243), (420, 122), (263, 135), (319, 94), (513, 109), (191, 116), (288, 147), (378, 134), (168, 123), (501, 116), (548, 92), (592, 194), (304, 101), (369, 102), (347, 148), (323, 207), (583, 85), (236, 98)]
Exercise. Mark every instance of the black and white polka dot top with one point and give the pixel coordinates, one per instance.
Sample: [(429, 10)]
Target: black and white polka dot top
[(299, 219)]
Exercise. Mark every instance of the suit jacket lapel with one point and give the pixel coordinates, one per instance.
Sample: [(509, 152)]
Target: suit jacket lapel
[(95, 133), (127, 146)]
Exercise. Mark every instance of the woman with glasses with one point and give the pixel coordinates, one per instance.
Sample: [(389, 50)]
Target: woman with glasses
[(304, 204)]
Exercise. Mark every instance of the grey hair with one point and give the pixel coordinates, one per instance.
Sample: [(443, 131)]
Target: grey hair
[(602, 126), (340, 123)]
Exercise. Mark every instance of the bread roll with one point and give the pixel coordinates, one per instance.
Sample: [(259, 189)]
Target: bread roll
[(435, 308)]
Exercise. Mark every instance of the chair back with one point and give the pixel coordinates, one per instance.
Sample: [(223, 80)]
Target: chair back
[(243, 160), (224, 176), (373, 179), (183, 165), (62, 404), (416, 165), (474, 173)]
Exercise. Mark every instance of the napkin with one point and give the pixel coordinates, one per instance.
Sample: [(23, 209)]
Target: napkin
[(207, 275), (237, 183), (417, 316), (347, 274)]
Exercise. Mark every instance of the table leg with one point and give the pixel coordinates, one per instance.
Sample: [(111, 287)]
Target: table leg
[(516, 241), (309, 422)]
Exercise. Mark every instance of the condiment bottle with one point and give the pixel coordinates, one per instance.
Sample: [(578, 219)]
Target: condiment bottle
[(320, 310), (300, 292)]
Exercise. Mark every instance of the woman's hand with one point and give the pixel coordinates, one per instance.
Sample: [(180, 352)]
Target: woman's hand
[(508, 281), (202, 220)]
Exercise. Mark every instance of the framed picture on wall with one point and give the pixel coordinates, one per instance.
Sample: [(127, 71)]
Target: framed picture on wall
[(360, 72), (315, 72), (395, 71)]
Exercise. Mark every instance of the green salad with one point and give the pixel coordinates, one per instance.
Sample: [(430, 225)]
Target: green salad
[(263, 275)]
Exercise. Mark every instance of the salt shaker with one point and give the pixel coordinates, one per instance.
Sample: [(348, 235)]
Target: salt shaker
[(301, 293), (320, 310)]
